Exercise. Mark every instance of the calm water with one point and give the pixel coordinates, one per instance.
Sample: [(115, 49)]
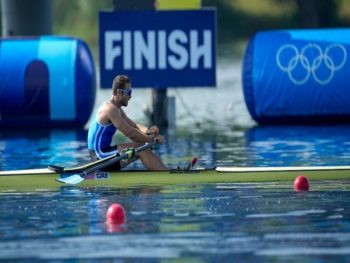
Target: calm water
[(217, 222), (222, 222), (214, 146)]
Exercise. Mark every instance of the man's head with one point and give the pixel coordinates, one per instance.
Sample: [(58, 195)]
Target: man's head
[(122, 89)]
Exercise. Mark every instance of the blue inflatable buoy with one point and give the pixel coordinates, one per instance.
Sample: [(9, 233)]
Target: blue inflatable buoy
[(298, 76), (47, 81)]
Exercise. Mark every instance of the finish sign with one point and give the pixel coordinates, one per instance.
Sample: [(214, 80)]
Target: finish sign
[(159, 48)]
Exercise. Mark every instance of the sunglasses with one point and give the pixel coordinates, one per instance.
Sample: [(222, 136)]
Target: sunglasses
[(126, 91)]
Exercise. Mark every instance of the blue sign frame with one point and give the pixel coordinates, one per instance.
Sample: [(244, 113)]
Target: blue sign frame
[(159, 49)]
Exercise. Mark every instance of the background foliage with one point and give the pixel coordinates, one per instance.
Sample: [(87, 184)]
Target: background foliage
[(238, 20)]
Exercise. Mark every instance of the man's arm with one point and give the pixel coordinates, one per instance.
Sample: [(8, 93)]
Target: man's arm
[(138, 126), (128, 127)]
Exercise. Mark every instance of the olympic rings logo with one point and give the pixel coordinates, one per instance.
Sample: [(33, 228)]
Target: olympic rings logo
[(316, 63)]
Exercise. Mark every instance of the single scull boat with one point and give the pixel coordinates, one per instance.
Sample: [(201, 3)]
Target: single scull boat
[(46, 179)]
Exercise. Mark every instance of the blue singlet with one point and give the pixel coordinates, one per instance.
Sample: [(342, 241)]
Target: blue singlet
[(100, 138)]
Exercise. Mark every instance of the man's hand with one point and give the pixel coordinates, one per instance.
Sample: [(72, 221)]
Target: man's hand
[(159, 139), (153, 130)]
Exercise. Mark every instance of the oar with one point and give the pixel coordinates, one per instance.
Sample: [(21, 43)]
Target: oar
[(77, 169), (79, 177)]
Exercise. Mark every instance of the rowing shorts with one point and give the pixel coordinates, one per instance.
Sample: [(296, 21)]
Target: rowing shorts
[(113, 167)]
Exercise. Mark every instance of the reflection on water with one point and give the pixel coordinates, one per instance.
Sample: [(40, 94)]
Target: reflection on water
[(257, 146), (249, 222), (21, 149), (298, 145)]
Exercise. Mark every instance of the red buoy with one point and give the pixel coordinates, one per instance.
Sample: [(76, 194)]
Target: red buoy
[(115, 214), (301, 183)]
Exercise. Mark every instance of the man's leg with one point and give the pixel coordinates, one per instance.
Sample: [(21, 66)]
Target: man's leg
[(152, 161), (148, 158)]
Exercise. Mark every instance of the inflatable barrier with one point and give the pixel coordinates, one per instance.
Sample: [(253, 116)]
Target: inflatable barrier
[(46, 81), (298, 76)]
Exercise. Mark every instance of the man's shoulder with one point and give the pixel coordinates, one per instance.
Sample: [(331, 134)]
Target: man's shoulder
[(107, 105), (111, 110)]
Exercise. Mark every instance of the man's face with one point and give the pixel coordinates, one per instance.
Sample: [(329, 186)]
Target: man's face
[(125, 95)]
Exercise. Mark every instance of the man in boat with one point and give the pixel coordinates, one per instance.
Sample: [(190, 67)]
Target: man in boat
[(111, 117)]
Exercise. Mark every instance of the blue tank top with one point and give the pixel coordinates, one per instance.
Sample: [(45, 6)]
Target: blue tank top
[(100, 138)]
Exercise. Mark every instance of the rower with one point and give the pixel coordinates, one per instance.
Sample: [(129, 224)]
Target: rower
[(111, 117)]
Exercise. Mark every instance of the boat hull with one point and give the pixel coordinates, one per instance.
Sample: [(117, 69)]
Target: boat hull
[(44, 179)]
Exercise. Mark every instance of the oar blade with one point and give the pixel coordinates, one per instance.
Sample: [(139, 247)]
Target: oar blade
[(72, 179)]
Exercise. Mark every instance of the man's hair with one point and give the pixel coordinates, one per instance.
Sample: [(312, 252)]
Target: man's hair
[(120, 81)]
